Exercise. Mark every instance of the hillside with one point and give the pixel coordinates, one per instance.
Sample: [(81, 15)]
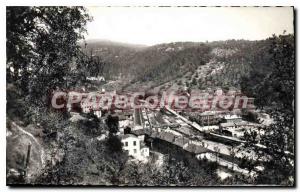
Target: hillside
[(117, 56), (183, 64)]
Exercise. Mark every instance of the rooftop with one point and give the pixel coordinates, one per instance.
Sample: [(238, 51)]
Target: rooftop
[(208, 113), (128, 136), (232, 117), (167, 136), (140, 132), (181, 141), (195, 148)]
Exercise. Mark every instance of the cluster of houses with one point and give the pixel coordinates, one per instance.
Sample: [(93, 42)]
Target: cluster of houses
[(205, 100), (139, 128), (182, 135), (136, 124)]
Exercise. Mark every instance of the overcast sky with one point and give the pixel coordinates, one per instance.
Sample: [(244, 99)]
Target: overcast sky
[(153, 25)]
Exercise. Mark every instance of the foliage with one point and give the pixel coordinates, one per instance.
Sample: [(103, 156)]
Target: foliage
[(92, 125), (276, 93), (113, 143), (172, 173), (113, 123), (42, 48), (86, 160)]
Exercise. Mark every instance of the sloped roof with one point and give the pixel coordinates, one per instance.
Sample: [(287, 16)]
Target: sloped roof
[(206, 113), (185, 130), (228, 117), (227, 124), (141, 132), (180, 141), (230, 124), (154, 134), (127, 136), (195, 148), (167, 136)]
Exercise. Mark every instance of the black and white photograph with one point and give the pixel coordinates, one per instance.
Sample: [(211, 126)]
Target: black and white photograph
[(150, 96)]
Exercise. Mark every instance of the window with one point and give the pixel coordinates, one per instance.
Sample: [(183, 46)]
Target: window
[(126, 143), (134, 151), (134, 143)]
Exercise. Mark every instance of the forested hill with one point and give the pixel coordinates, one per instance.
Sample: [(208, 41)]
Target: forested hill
[(225, 62)]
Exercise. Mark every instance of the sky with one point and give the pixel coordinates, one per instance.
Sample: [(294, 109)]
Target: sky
[(154, 25)]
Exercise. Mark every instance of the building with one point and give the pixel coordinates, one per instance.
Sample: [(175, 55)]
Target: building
[(125, 124), (85, 106), (194, 148), (218, 92), (98, 113), (137, 119), (227, 125), (232, 118), (236, 129), (209, 118), (135, 147), (141, 133)]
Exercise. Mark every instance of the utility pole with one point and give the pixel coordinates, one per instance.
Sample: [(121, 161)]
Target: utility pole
[(27, 160)]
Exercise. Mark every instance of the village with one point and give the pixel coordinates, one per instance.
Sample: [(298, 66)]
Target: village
[(215, 135)]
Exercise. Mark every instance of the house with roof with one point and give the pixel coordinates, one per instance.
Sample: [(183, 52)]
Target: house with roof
[(181, 141), (232, 118), (209, 118), (141, 133), (194, 148), (236, 129), (135, 147)]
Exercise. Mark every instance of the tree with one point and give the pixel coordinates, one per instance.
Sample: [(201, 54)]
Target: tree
[(113, 143), (277, 92), (113, 124), (279, 137), (92, 125), (172, 172), (42, 48), (43, 54), (194, 81)]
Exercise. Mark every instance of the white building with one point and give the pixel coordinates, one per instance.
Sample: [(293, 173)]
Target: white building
[(135, 147), (219, 92), (87, 107), (232, 118), (98, 113)]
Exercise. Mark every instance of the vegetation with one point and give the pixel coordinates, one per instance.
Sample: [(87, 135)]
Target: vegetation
[(240, 59), (43, 55), (43, 52), (275, 93)]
